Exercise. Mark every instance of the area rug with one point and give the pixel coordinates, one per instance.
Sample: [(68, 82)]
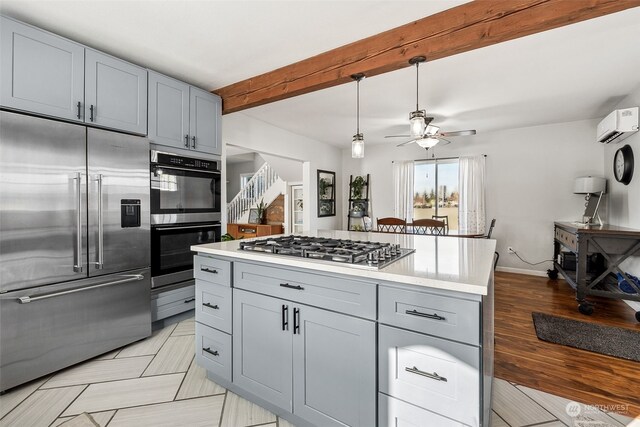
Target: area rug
[(609, 340), (82, 420)]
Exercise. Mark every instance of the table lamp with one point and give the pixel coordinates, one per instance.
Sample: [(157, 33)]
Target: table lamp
[(590, 185)]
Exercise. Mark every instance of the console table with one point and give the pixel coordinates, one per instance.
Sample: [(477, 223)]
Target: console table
[(614, 243), (244, 231)]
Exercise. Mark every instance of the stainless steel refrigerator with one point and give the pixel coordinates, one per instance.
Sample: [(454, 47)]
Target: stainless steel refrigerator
[(74, 244)]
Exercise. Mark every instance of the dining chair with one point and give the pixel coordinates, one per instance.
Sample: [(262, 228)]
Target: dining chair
[(429, 226), (391, 225), (443, 218)]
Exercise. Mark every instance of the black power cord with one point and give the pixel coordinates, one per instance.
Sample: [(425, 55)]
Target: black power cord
[(530, 263)]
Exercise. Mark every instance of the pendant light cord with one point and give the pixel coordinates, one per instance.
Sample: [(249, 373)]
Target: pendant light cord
[(358, 107), (417, 83)]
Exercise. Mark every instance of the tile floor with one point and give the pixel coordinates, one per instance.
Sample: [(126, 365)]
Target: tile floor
[(155, 382)]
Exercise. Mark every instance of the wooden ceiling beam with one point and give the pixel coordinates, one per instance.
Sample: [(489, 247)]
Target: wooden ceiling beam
[(460, 29)]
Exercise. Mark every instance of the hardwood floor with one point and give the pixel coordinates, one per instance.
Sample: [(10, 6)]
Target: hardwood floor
[(576, 374)]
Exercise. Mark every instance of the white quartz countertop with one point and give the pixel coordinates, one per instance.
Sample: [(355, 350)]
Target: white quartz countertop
[(451, 263)]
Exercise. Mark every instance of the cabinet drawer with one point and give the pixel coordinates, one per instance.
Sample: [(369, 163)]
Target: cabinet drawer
[(569, 240), (212, 270), (170, 303), (213, 305), (448, 317), (332, 293), (435, 374), (396, 413), (213, 351)]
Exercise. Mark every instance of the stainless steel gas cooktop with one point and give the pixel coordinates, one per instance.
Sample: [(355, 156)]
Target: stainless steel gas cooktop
[(356, 252)]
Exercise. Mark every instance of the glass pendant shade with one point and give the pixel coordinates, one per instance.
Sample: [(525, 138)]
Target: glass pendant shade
[(427, 142), (357, 146), (417, 123)]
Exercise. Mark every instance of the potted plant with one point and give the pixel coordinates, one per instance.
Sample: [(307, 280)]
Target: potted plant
[(357, 210), (356, 187), (262, 210)]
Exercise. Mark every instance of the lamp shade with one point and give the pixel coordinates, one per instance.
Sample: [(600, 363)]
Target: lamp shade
[(589, 184)]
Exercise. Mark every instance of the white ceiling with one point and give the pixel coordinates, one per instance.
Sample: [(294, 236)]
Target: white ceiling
[(570, 73), (213, 43)]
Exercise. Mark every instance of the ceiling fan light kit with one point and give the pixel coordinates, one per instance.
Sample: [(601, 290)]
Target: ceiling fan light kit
[(357, 144), (421, 131)]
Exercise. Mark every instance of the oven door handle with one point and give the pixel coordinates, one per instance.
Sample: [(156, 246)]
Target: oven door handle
[(186, 169), (187, 227)]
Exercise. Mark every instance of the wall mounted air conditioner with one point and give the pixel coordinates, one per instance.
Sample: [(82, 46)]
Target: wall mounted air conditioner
[(618, 125)]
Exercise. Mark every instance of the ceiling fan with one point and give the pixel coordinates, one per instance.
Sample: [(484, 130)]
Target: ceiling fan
[(422, 132)]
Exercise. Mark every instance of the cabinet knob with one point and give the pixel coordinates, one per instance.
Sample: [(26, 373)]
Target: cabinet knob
[(193, 138), (186, 141)]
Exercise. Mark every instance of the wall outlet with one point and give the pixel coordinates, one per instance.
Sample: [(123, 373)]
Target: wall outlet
[(511, 250)]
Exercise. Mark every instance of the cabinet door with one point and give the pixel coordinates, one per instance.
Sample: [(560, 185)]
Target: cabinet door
[(116, 93), (262, 342), (334, 368), (40, 72), (204, 116), (168, 111)]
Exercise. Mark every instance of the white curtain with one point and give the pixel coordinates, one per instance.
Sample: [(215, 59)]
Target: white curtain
[(472, 193), (403, 189)]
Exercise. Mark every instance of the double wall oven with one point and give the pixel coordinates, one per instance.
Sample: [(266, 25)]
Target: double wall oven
[(185, 211)]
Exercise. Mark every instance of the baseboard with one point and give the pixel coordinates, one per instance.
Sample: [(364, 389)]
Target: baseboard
[(522, 271)]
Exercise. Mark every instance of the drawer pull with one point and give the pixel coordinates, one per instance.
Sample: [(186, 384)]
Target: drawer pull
[(215, 307), (215, 353), (433, 376), (209, 270), (286, 285), (433, 316), (187, 301)]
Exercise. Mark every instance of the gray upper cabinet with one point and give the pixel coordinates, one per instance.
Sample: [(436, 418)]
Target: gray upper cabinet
[(334, 368), (183, 116), (204, 123), (168, 111), (116, 93), (40, 72)]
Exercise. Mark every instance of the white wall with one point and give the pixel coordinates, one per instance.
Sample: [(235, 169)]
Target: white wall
[(261, 137), (530, 174), (624, 200)]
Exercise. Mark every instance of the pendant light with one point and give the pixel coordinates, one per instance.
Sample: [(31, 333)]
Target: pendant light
[(417, 118), (357, 145)]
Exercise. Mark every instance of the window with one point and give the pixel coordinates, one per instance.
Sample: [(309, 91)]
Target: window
[(435, 190)]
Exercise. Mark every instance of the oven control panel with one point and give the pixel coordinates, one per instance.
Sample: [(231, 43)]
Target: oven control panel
[(165, 159)]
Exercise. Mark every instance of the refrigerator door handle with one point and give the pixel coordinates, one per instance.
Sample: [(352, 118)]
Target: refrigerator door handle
[(127, 278), (77, 265), (100, 263)]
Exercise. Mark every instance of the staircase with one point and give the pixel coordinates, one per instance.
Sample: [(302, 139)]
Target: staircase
[(250, 195)]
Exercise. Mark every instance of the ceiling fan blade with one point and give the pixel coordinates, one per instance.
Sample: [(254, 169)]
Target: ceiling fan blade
[(446, 141), (397, 136), (406, 142), (458, 133)]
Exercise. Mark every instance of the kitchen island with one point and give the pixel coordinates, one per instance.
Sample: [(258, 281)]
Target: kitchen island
[(328, 343)]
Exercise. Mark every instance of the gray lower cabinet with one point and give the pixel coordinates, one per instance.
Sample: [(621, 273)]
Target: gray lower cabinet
[(317, 364), (40, 72), (262, 342), (175, 301), (334, 368), (115, 93), (182, 116)]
